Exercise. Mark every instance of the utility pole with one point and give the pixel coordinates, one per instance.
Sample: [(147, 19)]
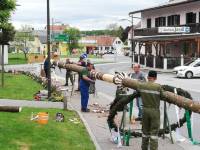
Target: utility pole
[(2, 65), (48, 50), (132, 44)]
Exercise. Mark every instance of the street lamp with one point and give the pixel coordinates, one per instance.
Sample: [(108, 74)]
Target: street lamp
[(48, 50), (132, 42)]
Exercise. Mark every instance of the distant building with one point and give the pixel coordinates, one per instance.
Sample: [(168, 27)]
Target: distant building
[(56, 46), (168, 31), (102, 44)]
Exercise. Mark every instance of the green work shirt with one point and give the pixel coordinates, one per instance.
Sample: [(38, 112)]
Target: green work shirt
[(84, 72), (151, 94)]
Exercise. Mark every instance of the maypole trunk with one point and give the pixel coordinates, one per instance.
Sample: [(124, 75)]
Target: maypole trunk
[(130, 83)]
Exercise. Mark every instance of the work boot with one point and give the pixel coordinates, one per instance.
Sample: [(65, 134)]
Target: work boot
[(138, 119), (85, 110)]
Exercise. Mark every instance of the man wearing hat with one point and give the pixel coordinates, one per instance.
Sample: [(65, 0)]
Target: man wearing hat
[(82, 63), (85, 81), (151, 94)]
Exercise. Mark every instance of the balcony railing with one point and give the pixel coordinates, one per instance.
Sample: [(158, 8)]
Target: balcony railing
[(194, 28)]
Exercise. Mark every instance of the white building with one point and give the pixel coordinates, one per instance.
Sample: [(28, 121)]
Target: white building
[(103, 44), (169, 30)]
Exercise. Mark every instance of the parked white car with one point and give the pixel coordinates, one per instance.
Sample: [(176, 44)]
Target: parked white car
[(189, 70)]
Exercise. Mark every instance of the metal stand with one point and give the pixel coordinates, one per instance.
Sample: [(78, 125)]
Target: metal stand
[(122, 126), (167, 123)]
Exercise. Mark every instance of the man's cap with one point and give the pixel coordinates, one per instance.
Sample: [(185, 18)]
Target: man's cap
[(152, 74), (83, 56)]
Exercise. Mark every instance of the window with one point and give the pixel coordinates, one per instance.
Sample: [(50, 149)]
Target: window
[(190, 18), (149, 23), (160, 21), (173, 20), (197, 65)]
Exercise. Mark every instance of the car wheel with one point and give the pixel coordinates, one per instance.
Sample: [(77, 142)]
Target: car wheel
[(189, 75)]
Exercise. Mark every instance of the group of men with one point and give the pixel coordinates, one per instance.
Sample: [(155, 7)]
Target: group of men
[(148, 103)]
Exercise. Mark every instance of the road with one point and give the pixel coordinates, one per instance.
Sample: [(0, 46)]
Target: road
[(123, 64), (191, 85)]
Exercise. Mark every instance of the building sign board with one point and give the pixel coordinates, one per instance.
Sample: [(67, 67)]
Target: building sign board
[(174, 29)]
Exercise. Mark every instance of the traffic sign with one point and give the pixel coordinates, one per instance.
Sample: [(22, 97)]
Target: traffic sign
[(60, 37)]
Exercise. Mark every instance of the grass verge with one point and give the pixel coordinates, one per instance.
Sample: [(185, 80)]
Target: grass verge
[(19, 87), (19, 133), (16, 58)]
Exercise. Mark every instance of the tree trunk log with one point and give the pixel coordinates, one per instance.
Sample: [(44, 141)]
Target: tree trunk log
[(130, 83), (10, 108)]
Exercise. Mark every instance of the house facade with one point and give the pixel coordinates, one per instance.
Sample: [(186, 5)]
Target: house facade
[(102, 44), (168, 31)]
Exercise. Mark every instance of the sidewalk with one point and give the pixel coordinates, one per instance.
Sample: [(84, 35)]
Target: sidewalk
[(99, 128), (96, 123)]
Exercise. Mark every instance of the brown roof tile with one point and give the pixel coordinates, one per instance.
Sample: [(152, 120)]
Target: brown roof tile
[(102, 40)]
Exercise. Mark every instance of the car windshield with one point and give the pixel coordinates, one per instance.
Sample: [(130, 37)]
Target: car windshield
[(189, 63)]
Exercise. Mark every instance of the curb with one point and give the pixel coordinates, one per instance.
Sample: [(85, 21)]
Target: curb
[(88, 128)]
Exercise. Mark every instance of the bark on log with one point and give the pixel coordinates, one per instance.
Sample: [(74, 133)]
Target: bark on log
[(10, 108), (130, 83)]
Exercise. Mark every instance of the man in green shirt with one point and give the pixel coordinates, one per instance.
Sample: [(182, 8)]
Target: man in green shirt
[(85, 81), (151, 94)]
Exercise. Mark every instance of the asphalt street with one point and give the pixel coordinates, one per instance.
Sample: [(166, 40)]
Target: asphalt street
[(191, 85)]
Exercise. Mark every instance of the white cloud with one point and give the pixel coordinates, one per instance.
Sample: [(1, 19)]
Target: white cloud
[(84, 14)]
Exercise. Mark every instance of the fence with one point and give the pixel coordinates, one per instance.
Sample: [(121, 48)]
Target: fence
[(162, 62), (149, 60), (159, 62), (142, 59), (173, 62)]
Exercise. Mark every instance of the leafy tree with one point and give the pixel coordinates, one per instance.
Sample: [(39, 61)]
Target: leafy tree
[(115, 30), (125, 34), (74, 35), (6, 29), (23, 39), (7, 34), (112, 30)]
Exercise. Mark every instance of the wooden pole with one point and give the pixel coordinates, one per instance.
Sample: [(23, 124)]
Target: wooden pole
[(134, 84), (10, 108)]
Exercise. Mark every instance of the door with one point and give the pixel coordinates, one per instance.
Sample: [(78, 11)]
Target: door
[(196, 69)]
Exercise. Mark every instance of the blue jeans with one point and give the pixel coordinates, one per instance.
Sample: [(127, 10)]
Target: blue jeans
[(84, 88), (140, 106)]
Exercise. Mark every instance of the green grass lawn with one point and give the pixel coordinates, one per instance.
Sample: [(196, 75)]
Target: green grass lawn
[(19, 87), (16, 58), (18, 132)]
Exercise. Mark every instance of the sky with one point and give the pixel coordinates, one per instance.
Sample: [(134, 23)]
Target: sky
[(83, 14)]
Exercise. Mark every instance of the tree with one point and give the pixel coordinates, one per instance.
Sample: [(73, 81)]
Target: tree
[(23, 39), (74, 36), (7, 30), (125, 34), (115, 30)]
